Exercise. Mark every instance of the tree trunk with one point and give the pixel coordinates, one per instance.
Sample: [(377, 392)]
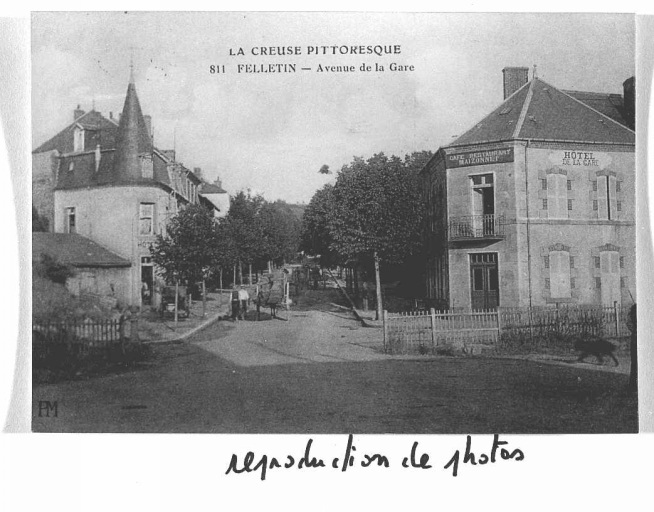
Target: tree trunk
[(380, 309), (234, 281), (204, 298), (240, 273), (250, 266), (221, 286), (176, 300)]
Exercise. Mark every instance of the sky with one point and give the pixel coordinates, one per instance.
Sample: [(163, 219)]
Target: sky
[(271, 133)]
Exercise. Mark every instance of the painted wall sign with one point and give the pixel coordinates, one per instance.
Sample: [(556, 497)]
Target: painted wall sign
[(580, 159), (488, 156)]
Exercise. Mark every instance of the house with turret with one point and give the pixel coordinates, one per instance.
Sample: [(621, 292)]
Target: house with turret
[(534, 205), (104, 180)]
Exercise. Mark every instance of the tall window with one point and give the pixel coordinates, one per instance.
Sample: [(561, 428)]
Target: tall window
[(559, 265), (483, 204), (610, 277), (69, 220), (146, 216), (557, 196), (607, 206)]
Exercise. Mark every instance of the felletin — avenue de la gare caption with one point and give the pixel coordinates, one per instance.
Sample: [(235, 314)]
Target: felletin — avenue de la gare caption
[(379, 50)]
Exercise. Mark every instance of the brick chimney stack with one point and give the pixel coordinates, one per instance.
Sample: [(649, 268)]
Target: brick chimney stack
[(77, 113), (514, 78), (629, 99)]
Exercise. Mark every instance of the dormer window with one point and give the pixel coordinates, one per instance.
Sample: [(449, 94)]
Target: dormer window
[(147, 167), (78, 139)]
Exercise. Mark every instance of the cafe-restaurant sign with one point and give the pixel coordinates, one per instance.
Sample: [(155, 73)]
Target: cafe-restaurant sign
[(485, 157)]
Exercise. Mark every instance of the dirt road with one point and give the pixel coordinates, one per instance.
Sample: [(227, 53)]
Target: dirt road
[(319, 373)]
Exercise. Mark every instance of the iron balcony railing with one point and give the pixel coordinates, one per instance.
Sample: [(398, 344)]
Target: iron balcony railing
[(476, 227)]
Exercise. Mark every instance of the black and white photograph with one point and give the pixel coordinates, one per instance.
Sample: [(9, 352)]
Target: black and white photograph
[(334, 223)]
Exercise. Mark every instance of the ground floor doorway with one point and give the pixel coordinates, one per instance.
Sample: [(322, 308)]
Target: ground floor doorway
[(484, 281)]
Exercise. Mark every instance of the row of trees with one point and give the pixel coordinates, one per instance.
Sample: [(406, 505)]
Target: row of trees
[(255, 234), (373, 215)]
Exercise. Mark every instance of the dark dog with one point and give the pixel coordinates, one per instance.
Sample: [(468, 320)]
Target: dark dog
[(596, 347)]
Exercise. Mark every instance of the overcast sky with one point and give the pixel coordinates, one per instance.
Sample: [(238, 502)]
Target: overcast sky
[(272, 132)]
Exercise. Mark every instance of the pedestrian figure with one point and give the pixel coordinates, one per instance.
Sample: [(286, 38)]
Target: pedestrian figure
[(243, 297), (236, 305), (260, 300)]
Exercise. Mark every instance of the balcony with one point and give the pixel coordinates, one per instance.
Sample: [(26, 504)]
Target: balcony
[(476, 228)]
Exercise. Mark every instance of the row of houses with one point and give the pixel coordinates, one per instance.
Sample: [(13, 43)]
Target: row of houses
[(107, 191), (535, 204)]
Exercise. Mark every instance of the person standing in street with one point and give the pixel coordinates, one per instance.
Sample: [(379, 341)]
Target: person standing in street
[(243, 297)]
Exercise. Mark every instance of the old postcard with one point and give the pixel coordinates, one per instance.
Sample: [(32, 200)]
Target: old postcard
[(333, 223)]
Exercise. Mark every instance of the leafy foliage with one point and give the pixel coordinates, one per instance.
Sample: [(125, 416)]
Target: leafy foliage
[(39, 222), (376, 206), (244, 226), (190, 246), (316, 237), (52, 269), (281, 231)]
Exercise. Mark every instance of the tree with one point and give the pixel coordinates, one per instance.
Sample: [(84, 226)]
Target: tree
[(244, 227), (39, 222), (376, 211), (280, 232), (316, 238), (189, 248)]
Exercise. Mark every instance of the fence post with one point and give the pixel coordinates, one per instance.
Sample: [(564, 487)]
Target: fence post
[(385, 327), (432, 313), (134, 328), (616, 311)]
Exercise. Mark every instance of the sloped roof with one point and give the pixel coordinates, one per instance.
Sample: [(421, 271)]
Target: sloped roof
[(73, 249), (132, 140), (210, 188), (539, 111), (63, 142), (611, 105), (83, 173), (500, 124)]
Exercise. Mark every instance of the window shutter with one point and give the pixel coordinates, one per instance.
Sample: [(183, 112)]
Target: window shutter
[(602, 206), (613, 205), (610, 277), (560, 275), (557, 189)]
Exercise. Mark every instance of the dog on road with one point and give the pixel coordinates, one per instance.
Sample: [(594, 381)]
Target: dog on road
[(596, 347)]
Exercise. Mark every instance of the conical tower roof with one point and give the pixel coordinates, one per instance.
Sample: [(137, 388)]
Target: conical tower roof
[(132, 140)]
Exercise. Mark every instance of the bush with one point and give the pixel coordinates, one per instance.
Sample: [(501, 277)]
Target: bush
[(58, 357)]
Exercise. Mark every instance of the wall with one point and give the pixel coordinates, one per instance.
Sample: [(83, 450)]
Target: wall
[(110, 217), (110, 282), (459, 204), (531, 230), (584, 232), (44, 170)]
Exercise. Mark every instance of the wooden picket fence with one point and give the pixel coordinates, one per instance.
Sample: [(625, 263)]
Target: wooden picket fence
[(428, 331), (79, 337)]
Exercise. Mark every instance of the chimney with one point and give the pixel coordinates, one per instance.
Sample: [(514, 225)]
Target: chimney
[(111, 115), (97, 158), (514, 78), (198, 172), (629, 101), (77, 113), (148, 124)]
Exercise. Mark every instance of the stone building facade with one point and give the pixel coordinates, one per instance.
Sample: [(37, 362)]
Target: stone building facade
[(121, 195), (535, 204)]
